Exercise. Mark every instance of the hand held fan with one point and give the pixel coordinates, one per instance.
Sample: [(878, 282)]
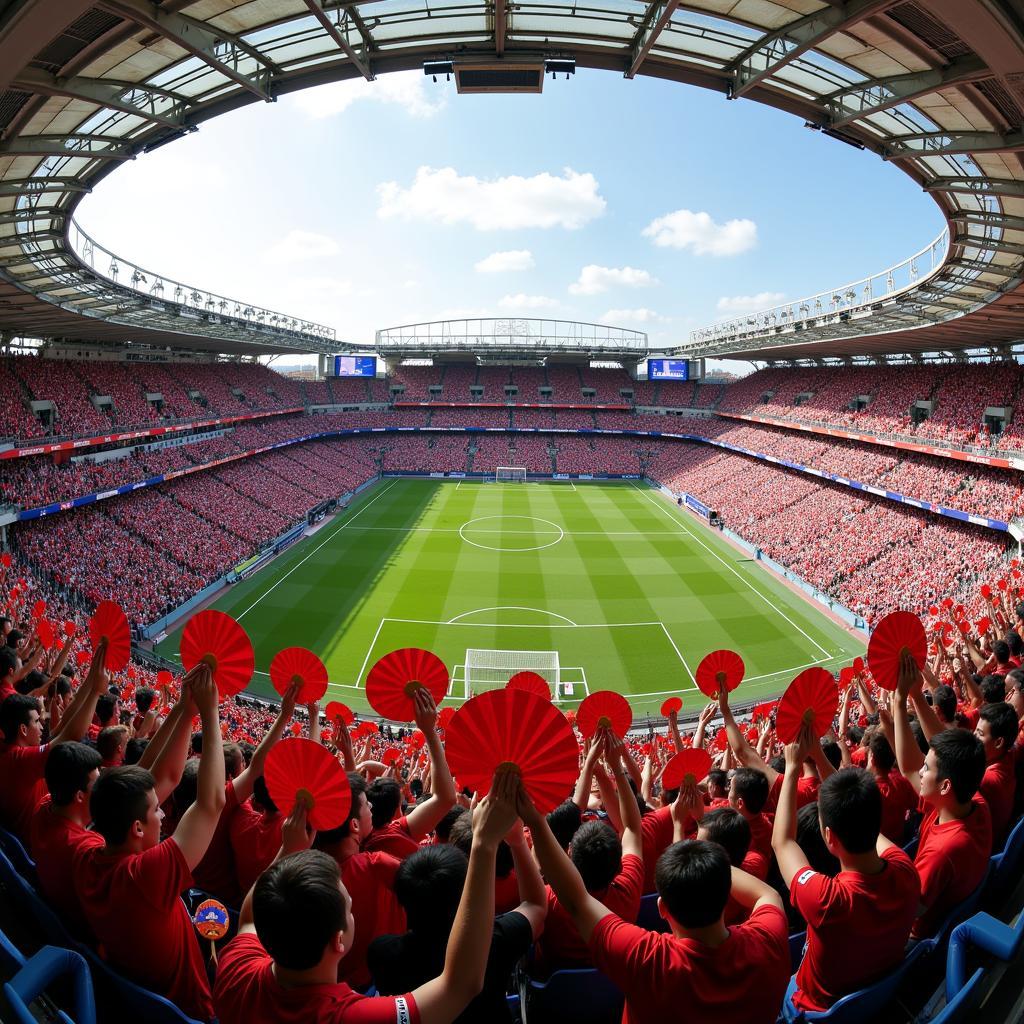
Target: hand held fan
[(718, 670), (392, 683), (299, 665), (216, 639), (301, 770)]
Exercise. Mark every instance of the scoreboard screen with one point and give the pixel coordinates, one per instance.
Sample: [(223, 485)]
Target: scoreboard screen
[(668, 369), (355, 366)]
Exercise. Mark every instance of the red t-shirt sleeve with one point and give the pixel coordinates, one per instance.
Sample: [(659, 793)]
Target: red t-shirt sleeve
[(161, 874), (811, 894), (630, 880), (626, 953), (384, 867)]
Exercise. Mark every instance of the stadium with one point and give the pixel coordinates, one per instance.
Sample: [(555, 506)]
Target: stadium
[(519, 667)]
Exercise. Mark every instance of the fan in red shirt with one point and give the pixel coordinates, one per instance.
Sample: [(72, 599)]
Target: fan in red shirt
[(703, 968), (297, 924), (748, 794), (859, 921), (24, 755), (612, 869), (997, 729), (731, 831), (956, 832), (130, 888), (399, 834), (898, 796)]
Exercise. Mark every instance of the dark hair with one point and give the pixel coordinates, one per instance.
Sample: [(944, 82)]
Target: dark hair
[(1016, 677), (120, 798), (850, 804), (832, 752), (8, 661), (67, 771), (1016, 644), (144, 697), (564, 821), (730, 830), (808, 837), (960, 757), (386, 797), (993, 689), (261, 796), (234, 760), (15, 712), (1001, 650), (443, 828), (1002, 723), (109, 740), (718, 779), (919, 736), (597, 853), (854, 734), (187, 789), (462, 837), (429, 886), (752, 785), (105, 706), (32, 681), (247, 750), (298, 908), (778, 764), (944, 699), (328, 837), (693, 880), (134, 750), (881, 752)]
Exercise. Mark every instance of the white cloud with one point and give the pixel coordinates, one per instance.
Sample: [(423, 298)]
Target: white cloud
[(594, 279), (444, 196), (406, 89), (298, 246), (633, 316), (522, 301), (734, 304), (685, 229), (503, 262)]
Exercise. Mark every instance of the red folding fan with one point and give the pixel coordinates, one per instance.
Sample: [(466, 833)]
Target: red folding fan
[(933, 609), (394, 680), (82, 658), (5, 559), (336, 710), (947, 602), (296, 664), (70, 629), (718, 669), (895, 632), (530, 682), (391, 755), (218, 640), (846, 675), (964, 627), (164, 679), (688, 767), (300, 769), (813, 698), (109, 623), (858, 665), (44, 630), (986, 590), (38, 609), (514, 727), (604, 709), (444, 716), (983, 624), (672, 704), (1002, 584)]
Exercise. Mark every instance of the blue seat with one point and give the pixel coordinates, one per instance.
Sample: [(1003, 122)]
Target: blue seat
[(37, 974), (797, 942), (1006, 865), (10, 955), (964, 1003), (859, 1006), (32, 906), (15, 851), (649, 917), (959, 913), (581, 996)]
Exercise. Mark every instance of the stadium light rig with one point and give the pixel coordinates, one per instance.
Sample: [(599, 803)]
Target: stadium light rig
[(513, 73)]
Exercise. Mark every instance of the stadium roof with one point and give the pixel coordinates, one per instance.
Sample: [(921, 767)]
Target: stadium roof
[(935, 87)]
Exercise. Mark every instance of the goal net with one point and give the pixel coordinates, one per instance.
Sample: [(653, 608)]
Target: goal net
[(491, 670), (510, 474)]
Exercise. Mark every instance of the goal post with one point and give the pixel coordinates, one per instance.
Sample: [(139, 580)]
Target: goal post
[(510, 474), (492, 669)]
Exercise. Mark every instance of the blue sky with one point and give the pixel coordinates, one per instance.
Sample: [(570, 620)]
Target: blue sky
[(640, 203)]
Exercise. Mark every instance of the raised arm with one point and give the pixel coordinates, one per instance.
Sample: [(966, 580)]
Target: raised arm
[(908, 753), (425, 816), (581, 795), (170, 759), (673, 730), (790, 856), (629, 809), (247, 779), (745, 753), (75, 723), (313, 711), (533, 894)]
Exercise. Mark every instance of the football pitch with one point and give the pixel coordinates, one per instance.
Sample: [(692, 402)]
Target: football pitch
[(630, 591)]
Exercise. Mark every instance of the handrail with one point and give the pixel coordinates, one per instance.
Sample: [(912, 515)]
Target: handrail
[(161, 288), (844, 300)]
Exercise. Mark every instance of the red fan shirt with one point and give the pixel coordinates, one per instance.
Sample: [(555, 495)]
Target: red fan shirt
[(754, 864), (742, 981), (859, 757), (656, 837), (246, 992), (898, 799), (255, 841), (369, 879), (506, 893), (561, 945), (216, 872), (806, 792), (952, 859), (999, 787), (133, 903), (55, 842), (21, 769), (857, 927), (761, 826), (395, 838)]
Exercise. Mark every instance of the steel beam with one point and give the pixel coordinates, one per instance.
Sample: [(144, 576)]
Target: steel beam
[(31, 213), (88, 147), (977, 186), (774, 51), (988, 220), (921, 144), (989, 245), (500, 26), (338, 34), (38, 186), (220, 50), (659, 14), (860, 101)]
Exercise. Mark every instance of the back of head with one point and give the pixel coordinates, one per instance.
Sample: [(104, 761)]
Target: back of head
[(882, 755), (109, 741), (144, 697), (751, 786), (959, 757), (944, 699), (105, 707), (68, 769), (429, 886), (234, 762), (8, 661), (33, 681), (327, 838), (1015, 643), (298, 908), (15, 712), (808, 837), (120, 798), (462, 838), (1002, 723), (1001, 650), (386, 797), (993, 688), (718, 781), (187, 789), (850, 805), (134, 750), (261, 798), (564, 821), (597, 853), (730, 830), (693, 879), (443, 829)]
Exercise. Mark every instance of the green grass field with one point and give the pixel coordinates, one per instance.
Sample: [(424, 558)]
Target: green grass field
[(629, 590)]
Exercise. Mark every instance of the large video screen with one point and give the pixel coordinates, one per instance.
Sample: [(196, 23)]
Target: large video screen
[(668, 369), (355, 366)]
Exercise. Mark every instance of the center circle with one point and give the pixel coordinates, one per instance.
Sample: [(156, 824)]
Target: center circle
[(516, 537)]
